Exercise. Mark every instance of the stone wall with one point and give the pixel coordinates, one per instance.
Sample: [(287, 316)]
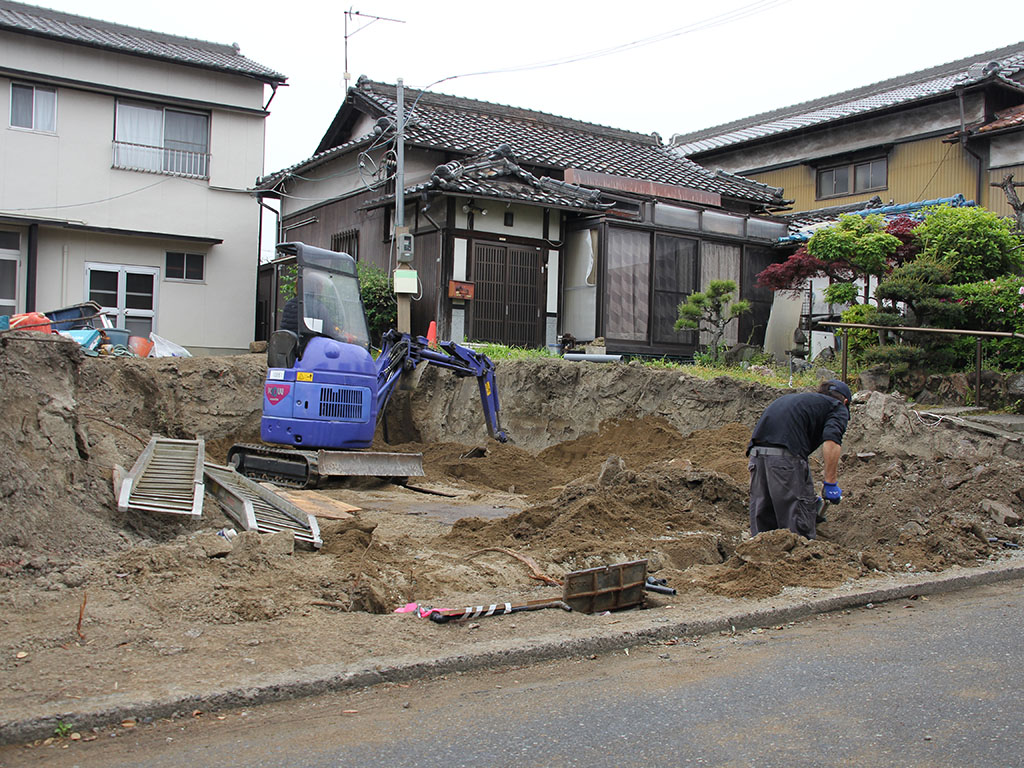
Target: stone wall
[(998, 390)]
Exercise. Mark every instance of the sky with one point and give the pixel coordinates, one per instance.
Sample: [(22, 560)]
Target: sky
[(662, 66)]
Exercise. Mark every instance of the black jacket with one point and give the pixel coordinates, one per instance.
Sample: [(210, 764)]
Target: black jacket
[(801, 422)]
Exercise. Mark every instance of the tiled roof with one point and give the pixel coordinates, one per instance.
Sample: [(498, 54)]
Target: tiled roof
[(42, 22), (805, 223), (272, 179), (497, 175), (1001, 65), (1007, 118), (541, 140)]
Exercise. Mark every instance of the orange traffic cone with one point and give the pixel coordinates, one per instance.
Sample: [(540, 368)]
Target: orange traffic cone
[(432, 334)]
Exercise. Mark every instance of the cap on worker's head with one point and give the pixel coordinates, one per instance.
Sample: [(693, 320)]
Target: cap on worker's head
[(835, 385)]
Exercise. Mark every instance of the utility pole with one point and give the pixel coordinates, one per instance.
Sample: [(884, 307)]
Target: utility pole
[(405, 279)]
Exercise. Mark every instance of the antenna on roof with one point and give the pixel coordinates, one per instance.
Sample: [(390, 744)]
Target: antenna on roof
[(348, 15)]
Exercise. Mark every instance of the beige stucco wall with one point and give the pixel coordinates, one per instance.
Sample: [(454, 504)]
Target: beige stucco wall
[(200, 315)]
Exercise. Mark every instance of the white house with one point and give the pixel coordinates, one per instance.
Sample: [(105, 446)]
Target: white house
[(125, 160)]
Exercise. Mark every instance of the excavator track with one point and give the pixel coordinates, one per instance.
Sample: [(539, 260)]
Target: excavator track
[(294, 468), (281, 466)]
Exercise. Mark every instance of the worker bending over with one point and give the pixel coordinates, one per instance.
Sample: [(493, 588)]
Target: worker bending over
[(790, 429)]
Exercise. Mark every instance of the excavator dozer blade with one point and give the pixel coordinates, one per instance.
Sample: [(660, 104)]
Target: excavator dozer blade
[(370, 464)]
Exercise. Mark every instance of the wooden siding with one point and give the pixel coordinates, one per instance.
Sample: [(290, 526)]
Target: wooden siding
[(341, 216), (426, 307), (918, 170)]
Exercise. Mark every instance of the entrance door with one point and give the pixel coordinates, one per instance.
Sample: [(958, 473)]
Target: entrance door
[(10, 256), (507, 298)]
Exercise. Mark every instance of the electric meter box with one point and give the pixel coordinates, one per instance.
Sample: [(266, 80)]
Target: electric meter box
[(404, 246)]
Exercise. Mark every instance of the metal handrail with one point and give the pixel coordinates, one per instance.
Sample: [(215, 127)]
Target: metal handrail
[(173, 162), (953, 331)]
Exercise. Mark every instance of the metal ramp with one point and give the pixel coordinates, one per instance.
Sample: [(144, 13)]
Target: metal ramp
[(255, 508), (167, 477)]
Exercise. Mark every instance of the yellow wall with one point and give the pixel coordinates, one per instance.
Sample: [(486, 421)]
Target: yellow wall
[(918, 170)]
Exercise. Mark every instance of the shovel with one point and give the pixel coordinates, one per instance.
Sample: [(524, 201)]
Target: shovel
[(444, 615)]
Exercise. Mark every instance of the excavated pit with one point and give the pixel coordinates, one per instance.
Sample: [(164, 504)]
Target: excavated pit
[(610, 463)]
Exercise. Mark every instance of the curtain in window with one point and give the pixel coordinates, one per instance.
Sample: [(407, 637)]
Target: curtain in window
[(139, 133), (185, 143), (675, 276), (721, 262), (45, 111), (629, 268), (21, 106)]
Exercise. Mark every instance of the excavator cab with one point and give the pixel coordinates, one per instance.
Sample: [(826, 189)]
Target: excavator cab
[(326, 304)]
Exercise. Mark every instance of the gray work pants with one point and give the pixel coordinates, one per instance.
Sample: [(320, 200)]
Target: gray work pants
[(781, 492)]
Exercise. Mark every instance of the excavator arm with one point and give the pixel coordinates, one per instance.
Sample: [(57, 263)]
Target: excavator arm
[(403, 352)]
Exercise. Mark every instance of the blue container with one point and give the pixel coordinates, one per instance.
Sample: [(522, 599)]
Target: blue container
[(87, 337), (83, 315), (118, 336)]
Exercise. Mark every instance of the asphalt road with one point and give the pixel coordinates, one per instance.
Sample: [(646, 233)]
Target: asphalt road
[(930, 682)]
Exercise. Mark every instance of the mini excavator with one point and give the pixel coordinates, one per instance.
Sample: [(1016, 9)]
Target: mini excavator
[(325, 392)]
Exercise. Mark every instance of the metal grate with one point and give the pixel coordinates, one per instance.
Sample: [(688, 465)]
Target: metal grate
[(167, 477), (255, 508), (342, 403)]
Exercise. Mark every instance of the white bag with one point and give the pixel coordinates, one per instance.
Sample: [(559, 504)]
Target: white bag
[(164, 348)]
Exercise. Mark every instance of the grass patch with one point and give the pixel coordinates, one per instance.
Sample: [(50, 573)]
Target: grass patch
[(500, 352), (767, 375)]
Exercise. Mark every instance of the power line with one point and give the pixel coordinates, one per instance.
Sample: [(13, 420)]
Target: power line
[(91, 202), (759, 6)]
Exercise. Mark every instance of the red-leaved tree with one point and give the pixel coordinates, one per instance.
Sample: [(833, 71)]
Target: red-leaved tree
[(793, 273), (903, 227)]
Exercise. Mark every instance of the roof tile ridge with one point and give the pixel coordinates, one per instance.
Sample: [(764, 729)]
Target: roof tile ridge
[(109, 26), (882, 86), (450, 101)]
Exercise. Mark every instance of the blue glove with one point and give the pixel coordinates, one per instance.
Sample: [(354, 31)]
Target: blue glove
[(832, 493)]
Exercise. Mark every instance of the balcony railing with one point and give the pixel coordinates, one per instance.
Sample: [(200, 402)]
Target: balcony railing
[(173, 162)]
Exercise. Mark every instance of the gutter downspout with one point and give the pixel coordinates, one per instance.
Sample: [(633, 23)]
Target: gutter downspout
[(259, 258), (273, 93), (277, 227), (31, 268), (963, 143)]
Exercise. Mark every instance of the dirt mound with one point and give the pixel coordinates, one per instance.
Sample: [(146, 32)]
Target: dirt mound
[(609, 463), (763, 566)]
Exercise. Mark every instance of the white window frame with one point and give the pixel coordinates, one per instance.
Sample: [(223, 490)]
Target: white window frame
[(184, 278), (156, 157), (15, 256), (120, 313), (35, 89)]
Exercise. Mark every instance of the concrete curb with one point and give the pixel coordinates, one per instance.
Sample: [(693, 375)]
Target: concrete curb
[(317, 681)]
